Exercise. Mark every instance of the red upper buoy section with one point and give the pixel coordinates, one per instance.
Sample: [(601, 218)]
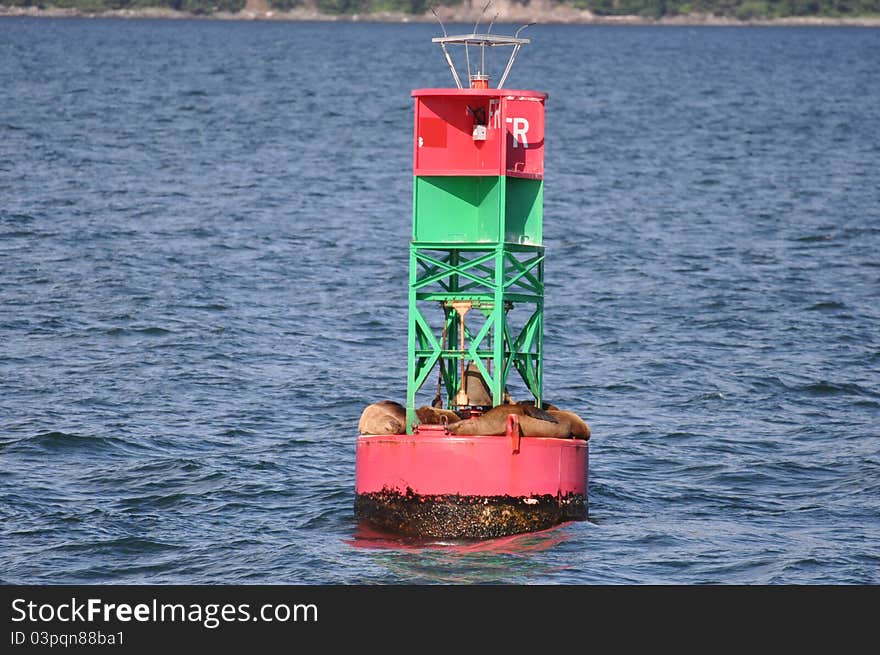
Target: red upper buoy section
[(479, 132)]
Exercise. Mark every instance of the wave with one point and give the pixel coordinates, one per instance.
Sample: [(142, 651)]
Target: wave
[(56, 442)]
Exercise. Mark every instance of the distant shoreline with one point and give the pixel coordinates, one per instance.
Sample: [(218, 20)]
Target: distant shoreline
[(557, 15)]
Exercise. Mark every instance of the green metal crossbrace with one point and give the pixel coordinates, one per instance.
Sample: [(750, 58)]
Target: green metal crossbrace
[(446, 269)]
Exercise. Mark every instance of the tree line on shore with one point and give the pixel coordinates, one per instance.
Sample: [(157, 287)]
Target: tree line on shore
[(741, 9)]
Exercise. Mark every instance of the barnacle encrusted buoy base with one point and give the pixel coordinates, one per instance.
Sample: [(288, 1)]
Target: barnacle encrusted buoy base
[(453, 516)]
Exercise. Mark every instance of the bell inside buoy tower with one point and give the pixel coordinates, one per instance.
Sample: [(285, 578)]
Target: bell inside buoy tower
[(471, 462)]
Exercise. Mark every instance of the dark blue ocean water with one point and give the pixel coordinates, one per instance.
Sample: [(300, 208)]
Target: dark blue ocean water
[(203, 268)]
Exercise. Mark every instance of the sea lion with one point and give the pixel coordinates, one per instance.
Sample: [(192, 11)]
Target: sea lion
[(577, 427), (529, 409), (533, 422), (475, 386), (535, 427), (384, 417), (434, 415)]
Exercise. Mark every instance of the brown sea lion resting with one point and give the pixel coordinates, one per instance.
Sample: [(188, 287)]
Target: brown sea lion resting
[(435, 415), (384, 417), (389, 417), (533, 422), (577, 426), (477, 390)]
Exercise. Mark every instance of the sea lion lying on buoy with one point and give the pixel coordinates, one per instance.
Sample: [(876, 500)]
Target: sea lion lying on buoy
[(435, 415), (535, 427), (384, 417), (529, 409), (533, 422), (577, 426), (478, 393)]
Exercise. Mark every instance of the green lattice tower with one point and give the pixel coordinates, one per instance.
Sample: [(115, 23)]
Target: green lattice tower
[(476, 278)]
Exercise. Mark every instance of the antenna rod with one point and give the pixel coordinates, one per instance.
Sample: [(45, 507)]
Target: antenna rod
[(445, 51), (509, 65), (512, 55), (439, 21), (451, 65), (497, 13), (516, 34), (481, 15)]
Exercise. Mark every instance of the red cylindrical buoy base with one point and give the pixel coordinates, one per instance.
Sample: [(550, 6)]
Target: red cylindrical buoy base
[(434, 484)]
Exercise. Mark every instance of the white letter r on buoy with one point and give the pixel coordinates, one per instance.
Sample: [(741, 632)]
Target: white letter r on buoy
[(519, 129)]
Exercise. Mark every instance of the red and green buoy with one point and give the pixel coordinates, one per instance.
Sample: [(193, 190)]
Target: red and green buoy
[(476, 300)]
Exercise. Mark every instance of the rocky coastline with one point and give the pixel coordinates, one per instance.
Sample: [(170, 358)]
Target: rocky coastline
[(540, 11)]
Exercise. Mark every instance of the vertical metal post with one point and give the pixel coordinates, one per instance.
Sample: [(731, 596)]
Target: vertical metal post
[(499, 316), (411, 343), (539, 340)]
